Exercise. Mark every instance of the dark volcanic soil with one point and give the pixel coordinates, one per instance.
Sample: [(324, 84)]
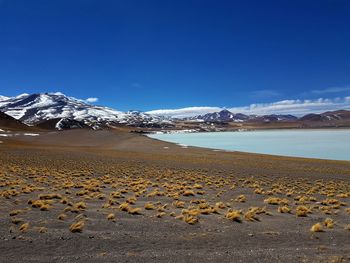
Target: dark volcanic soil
[(60, 178)]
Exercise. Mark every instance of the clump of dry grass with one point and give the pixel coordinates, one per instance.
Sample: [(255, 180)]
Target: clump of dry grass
[(220, 205), (316, 228), (16, 220), (124, 207), (241, 198), (50, 196), (111, 217), (191, 219), (198, 186), (302, 211), (45, 207), (284, 209), (329, 223), (24, 227), (276, 201), (251, 216), (188, 193), (233, 215), (179, 204), (80, 205), (42, 229), (62, 216), (77, 227), (131, 200), (191, 211), (15, 212), (134, 211), (150, 206), (161, 214)]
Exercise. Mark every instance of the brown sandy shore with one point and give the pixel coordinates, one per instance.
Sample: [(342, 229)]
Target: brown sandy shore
[(128, 198)]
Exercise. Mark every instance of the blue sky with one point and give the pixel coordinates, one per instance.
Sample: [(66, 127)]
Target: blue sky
[(150, 55)]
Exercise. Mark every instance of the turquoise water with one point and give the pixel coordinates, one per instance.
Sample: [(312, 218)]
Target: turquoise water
[(323, 144)]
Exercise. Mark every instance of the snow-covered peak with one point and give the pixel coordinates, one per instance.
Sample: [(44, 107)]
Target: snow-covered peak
[(4, 98), (35, 108)]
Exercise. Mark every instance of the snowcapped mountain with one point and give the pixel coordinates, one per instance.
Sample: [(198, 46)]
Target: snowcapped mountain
[(33, 109), (223, 116), (227, 116)]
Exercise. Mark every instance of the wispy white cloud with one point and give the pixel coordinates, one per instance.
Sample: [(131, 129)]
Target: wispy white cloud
[(91, 100), (332, 90), (295, 107), (184, 112)]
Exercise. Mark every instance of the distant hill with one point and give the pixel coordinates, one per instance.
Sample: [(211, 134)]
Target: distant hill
[(227, 116), (62, 124), (8, 122), (327, 116)]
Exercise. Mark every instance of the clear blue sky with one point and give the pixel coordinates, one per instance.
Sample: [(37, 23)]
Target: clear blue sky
[(176, 53)]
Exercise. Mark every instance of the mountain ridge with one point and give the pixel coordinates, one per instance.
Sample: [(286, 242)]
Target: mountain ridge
[(58, 111)]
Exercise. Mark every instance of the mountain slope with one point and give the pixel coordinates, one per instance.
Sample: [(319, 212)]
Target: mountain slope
[(227, 116), (38, 108), (8, 122), (328, 116)]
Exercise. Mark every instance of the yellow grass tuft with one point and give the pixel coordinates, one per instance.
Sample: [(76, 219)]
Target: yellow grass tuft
[(50, 196), (302, 211), (77, 227), (111, 217), (161, 214), (42, 229), (188, 193), (251, 216), (316, 228), (24, 227), (191, 219), (276, 201), (284, 209), (150, 206), (62, 216), (329, 223), (15, 212), (134, 211), (179, 204), (234, 215), (45, 207), (220, 205), (241, 198), (16, 220), (80, 205), (124, 207)]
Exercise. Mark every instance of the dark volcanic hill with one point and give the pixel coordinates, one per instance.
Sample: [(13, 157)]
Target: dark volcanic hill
[(62, 124), (223, 116), (327, 116), (8, 122), (227, 116)]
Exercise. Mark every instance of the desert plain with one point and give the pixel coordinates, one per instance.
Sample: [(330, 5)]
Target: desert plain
[(116, 196)]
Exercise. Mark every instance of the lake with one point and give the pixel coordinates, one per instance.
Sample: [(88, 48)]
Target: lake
[(323, 144)]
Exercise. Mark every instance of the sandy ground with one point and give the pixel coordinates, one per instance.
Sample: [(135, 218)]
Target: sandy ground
[(202, 205)]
